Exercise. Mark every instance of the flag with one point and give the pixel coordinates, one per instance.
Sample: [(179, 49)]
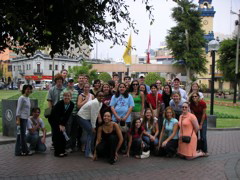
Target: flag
[(127, 55), (148, 50)]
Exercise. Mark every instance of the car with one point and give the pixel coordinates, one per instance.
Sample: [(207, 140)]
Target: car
[(38, 86), (13, 87)]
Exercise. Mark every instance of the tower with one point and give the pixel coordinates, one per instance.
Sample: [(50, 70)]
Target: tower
[(207, 13)]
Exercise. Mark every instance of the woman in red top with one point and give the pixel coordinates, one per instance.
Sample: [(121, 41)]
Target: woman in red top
[(154, 100), (198, 108)]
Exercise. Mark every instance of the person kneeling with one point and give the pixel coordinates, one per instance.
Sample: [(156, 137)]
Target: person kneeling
[(168, 140), (135, 144), (34, 124), (109, 139)]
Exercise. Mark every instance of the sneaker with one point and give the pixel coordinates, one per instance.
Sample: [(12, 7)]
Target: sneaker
[(30, 153), (90, 155), (69, 150), (145, 155)]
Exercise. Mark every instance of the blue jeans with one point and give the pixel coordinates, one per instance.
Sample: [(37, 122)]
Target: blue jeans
[(203, 134), (21, 144), (147, 140), (35, 143), (87, 126)]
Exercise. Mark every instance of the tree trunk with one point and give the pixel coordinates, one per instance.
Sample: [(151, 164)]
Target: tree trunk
[(188, 79)]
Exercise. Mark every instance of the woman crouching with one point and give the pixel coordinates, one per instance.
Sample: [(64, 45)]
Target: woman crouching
[(109, 139)]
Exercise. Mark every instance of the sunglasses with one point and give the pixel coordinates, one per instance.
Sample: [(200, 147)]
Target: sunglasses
[(194, 96), (184, 107), (135, 84)]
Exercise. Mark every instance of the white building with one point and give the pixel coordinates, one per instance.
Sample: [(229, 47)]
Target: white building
[(40, 66)]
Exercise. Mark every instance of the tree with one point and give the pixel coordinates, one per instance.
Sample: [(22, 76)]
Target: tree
[(86, 69), (186, 39), (28, 25), (104, 76), (152, 77), (227, 60)]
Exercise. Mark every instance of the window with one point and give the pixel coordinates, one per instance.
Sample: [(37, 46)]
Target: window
[(50, 66), (9, 68), (29, 66), (13, 68), (56, 67), (63, 66)]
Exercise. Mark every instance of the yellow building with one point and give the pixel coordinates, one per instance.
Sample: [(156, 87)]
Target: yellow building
[(6, 66), (207, 12)]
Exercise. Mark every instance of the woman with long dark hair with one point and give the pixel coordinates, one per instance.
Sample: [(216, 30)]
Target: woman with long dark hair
[(138, 98), (198, 108), (166, 95), (22, 115), (109, 139)]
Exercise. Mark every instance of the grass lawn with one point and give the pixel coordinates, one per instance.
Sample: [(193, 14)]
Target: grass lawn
[(227, 117), (41, 96)]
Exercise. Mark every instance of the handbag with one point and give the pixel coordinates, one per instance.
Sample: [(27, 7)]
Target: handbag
[(186, 139), (47, 112), (123, 126)]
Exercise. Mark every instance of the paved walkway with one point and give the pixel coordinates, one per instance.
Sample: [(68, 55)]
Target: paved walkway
[(223, 163)]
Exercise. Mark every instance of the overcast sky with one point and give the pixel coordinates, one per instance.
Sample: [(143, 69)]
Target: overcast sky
[(223, 23)]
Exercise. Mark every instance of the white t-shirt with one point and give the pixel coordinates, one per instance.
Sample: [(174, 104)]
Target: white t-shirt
[(31, 123)]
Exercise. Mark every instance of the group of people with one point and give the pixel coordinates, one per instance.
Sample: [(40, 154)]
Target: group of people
[(104, 119)]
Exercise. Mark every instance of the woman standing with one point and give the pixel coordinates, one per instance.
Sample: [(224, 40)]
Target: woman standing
[(198, 108), (176, 103), (87, 119), (195, 88), (159, 86), (166, 95), (188, 125), (150, 135), (138, 98), (121, 105), (109, 139), (154, 100), (96, 87), (107, 93), (168, 140), (61, 113), (84, 97), (22, 115)]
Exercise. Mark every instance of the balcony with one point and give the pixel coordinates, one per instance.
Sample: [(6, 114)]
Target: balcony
[(21, 72), (38, 72)]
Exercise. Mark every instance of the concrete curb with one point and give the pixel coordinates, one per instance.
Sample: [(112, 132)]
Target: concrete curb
[(223, 129)]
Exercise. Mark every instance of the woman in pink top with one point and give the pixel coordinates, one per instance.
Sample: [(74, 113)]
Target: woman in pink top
[(188, 127)]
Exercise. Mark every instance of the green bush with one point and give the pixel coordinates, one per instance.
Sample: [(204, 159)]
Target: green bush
[(152, 77), (104, 76)]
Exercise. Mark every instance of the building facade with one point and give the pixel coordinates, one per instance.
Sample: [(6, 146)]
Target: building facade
[(40, 66), (207, 13)]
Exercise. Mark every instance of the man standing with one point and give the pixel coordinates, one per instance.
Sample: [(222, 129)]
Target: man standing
[(176, 87), (141, 80), (64, 74), (79, 86), (127, 81)]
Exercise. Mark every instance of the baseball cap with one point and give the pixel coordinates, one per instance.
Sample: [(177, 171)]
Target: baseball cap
[(141, 76), (70, 80)]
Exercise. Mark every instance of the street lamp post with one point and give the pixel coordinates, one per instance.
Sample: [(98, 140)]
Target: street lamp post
[(213, 46), (237, 57)]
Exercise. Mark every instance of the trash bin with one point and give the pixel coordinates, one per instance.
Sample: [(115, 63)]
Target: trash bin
[(212, 121), (9, 108)]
